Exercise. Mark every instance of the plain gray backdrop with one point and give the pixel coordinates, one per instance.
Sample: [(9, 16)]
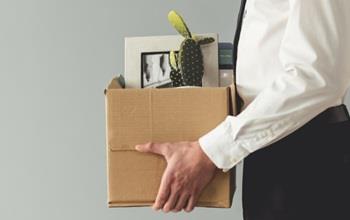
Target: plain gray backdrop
[(56, 57)]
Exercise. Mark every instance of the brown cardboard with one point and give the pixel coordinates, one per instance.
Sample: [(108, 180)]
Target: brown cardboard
[(136, 116)]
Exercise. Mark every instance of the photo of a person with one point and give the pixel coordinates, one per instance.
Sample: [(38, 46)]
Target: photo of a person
[(155, 70)]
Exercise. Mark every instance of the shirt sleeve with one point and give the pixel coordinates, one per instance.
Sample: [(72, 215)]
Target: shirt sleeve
[(310, 83)]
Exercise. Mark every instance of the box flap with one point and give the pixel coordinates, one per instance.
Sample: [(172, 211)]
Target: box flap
[(116, 83), (233, 109), (144, 115)]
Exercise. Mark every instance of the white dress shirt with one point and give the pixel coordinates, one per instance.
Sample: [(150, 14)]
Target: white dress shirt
[(293, 63)]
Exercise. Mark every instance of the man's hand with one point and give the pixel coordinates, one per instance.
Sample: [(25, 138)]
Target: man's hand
[(188, 171)]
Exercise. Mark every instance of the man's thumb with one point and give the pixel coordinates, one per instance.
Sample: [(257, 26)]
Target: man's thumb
[(142, 147), (149, 148)]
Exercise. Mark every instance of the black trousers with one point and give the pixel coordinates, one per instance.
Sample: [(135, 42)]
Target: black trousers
[(305, 175)]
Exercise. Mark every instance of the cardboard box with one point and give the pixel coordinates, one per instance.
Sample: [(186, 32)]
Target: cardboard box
[(136, 116)]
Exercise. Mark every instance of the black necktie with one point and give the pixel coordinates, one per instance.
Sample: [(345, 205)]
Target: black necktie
[(239, 101)]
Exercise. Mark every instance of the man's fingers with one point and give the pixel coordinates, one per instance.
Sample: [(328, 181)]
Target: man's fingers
[(163, 192), (170, 204), (191, 203), (181, 202), (152, 148)]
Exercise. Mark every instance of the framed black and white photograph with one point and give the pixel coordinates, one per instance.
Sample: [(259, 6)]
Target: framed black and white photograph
[(147, 61), (155, 70)]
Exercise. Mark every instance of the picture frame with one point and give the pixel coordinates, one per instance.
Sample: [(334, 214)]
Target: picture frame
[(139, 50)]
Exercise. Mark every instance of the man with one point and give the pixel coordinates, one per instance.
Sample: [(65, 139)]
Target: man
[(292, 75)]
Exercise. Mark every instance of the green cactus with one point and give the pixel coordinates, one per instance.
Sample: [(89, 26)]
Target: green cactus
[(188, 64), (175, 74)]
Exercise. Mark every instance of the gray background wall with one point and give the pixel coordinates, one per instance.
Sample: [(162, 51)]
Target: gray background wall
[(56, 57)]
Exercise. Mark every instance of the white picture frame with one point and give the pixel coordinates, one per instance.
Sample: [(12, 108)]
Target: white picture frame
[(135, 47)]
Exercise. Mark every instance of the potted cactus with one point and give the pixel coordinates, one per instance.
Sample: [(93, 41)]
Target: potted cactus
[(187, 67)]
